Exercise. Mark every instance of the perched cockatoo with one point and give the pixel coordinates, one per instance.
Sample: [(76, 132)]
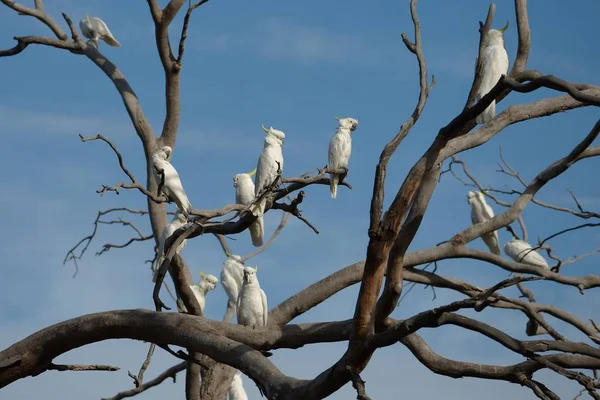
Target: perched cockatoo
[(232, 278), (178, 221), (252, 301), (205, 285), (521, 251), (481, 212), (95, 28), (494, 65), (269, 162), (236, 390), (172, 188), (340, 148), (244, 194)]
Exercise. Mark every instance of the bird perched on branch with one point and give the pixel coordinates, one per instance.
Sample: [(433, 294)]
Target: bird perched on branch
[(172, 187), (481, 212), (522, 252), (252, 301), (244, 194), (232, 278), (95, 29), (236, 390), (494, 64), (178, 221), (340, 148), (269, 166), (205, 285)]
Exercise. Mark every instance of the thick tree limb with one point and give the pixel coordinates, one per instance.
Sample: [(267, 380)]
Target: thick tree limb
[(381, 232)]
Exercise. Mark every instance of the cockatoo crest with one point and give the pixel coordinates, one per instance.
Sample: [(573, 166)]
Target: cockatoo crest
[(210, 279), (250, 274), (274, 136), (348, 123), (238, 177), (495, 36)]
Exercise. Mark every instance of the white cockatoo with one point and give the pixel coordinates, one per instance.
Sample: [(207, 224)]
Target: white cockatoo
[(521, 251), (481, 212), (236, 390), (232, 278), (178, 221), (252, 301), (95, 29), (172, 188), (244, 194), (269, 163), (205, 285), (340, 148), (494, 65)]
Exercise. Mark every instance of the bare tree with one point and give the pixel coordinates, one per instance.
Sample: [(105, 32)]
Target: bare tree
[(216, 349)]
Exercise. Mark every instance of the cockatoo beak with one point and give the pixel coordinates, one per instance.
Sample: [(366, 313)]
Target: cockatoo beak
[(505, 27), (265, 129), (252, 172)]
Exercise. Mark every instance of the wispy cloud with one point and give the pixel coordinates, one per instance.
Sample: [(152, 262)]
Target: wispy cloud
[(283, 40), (23, 121)]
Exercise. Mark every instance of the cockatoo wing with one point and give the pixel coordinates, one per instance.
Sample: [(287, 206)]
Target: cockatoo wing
[(200, 296), (494, 65), (270, 160), (105, 33), (264, 307), (174, 188), (491, 241), (244, 194), (237, 392), (230, 284), (488, 212), (521, 252), (85, 29), (340, 148), (257, 231)]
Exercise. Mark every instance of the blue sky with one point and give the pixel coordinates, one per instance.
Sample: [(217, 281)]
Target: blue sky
[(293, 66)]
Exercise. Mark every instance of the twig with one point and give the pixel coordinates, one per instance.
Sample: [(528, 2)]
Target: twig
[(224, 245), (71, 256), (184, 29), (284, 220), (169, 373), (134, 183), (139, 378), (293, 209)]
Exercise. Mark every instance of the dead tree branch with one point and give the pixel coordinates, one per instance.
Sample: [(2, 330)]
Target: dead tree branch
[(169, 373), (79, 367), (284, 219), (71, 254), (135, 184)]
